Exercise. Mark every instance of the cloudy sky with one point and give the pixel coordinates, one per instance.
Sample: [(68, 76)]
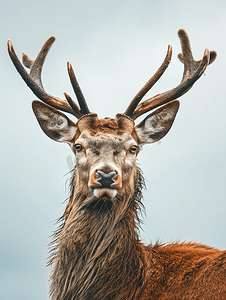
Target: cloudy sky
[(114, 47)]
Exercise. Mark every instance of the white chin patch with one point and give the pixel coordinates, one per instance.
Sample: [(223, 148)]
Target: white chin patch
[(104, 192)]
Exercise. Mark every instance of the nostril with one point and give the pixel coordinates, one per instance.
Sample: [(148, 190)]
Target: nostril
[(96, 174)]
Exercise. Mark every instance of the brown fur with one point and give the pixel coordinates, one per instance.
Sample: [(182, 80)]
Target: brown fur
[(120, 125), (97, 254), (186, 271)]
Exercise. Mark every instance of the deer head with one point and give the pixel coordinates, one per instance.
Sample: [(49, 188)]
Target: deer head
[(106, 149)]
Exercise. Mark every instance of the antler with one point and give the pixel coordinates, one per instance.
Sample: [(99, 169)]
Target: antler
[(33, 80), (192, 72), (149, 84)]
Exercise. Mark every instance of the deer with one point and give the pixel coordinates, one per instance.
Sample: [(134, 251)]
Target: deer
[(96, 253)]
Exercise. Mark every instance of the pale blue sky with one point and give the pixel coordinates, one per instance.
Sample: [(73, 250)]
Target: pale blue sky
[(114, 47)]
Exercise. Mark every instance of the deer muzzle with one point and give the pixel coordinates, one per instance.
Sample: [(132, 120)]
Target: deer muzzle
[(105, 181)]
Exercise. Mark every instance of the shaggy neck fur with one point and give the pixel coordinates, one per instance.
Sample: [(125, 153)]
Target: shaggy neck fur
[(96, 252)]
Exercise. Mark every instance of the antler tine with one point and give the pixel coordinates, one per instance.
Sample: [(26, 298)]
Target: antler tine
[(33, 80), (77, 90), (193, 70), (36, 65), (149, 84), (73, 105)]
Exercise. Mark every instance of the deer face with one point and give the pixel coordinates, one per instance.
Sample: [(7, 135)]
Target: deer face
[(105, 162), (105, 149)]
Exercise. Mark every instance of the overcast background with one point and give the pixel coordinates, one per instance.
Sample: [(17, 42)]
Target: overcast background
[(114, 47)]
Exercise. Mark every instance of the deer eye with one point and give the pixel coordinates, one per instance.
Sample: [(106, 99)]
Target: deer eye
[(133, 149), (78, 147)]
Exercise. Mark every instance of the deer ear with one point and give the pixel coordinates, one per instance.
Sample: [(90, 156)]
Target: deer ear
[(156, 125), (54, 123)]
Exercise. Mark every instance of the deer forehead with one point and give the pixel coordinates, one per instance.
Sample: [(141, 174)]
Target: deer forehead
[(106, 141)]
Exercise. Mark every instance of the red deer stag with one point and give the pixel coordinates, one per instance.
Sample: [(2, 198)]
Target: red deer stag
[(96, 253)]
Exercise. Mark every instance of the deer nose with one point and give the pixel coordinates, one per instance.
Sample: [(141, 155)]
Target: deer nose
[(106, 179)]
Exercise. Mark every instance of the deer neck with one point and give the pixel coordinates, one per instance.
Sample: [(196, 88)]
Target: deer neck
[(98, 254)]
